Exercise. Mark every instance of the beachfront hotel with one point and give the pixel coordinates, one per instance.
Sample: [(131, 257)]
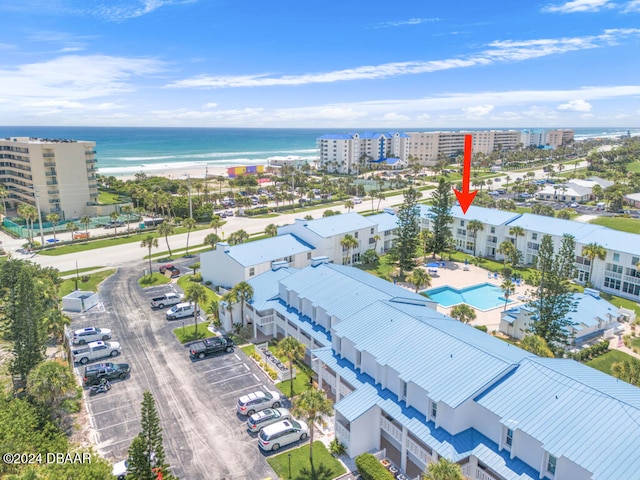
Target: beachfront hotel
[(412, 385), (349, 152), (59, 176)]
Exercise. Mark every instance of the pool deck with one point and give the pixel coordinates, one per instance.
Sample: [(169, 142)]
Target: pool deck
[(455, 275)]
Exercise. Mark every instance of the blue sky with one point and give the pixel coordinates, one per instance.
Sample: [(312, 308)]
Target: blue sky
[(355, 64)]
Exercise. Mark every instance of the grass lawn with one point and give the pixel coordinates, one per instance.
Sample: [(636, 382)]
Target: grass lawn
[(109, 198), (326, 466), (68, 286), (80, 270), (384, 269), (631, 225), (604, 362), (188, 333), (152, 280), (183, 283), (634, 167), (622, 302), (110, 242), (300, 383)]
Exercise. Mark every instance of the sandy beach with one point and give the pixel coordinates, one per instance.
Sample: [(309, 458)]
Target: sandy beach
[(174, 173)]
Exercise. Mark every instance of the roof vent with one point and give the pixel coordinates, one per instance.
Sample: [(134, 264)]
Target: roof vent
[(315, 261), (224, 246)]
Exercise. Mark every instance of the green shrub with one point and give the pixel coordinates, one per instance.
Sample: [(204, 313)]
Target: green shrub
[(196, 278), (336, 448), (482, 327), (207, 283), (371, 469)]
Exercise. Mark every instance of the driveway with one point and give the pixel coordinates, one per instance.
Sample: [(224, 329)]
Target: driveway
[(203, 436)]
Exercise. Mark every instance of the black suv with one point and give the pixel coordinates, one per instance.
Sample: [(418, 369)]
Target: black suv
[(111, 371), (209, 346)]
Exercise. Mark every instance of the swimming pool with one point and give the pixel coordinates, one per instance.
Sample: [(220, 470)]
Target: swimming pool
[(484, 296)]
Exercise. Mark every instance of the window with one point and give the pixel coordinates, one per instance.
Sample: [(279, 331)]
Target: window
[(308, 255), (462, 223), (614, 268), (355, 235), (509, 439), (252, 271), (534, 236), (631, 288), (616, 257), (434, 409), (613, 283), (551, 464), (371, 231), (493, 229), (635, 260)]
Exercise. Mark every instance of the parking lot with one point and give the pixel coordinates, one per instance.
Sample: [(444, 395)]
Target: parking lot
[(204, 438)]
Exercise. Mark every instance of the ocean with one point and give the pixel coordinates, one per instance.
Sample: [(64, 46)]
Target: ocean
[(129, 150)]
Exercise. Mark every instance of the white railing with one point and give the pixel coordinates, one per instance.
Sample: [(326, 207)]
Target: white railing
[(267, 320), (344, 390), (610, 274), (477, 473), (466, 470), (328, 378), (342, 434), (281, 322), (420, 453), (391, 429)]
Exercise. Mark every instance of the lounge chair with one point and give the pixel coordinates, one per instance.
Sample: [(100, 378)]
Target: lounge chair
[(517, 282), (495, 275), (489, 275), (465, 268)]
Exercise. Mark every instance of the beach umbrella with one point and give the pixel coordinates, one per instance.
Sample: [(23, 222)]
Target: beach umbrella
[(433, 265)]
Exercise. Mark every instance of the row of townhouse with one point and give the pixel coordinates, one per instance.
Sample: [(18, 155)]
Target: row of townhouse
[(350, 152), (616, 273), (298, 244), (419, 385)]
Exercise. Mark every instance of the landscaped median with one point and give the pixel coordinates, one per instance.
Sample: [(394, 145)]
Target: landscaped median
[(87, 282), (325, 466)]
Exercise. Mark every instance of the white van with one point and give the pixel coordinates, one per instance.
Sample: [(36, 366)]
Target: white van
[(181, 310), (281, 434)]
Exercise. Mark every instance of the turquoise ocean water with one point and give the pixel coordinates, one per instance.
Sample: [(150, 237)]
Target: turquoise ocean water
[(127, 150)]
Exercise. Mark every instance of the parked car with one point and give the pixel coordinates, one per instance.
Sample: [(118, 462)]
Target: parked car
[(95, 350), (175, 272), (229, 213), (110, 371), (90, 334), (113, 224), (357, 200), (573, 205), (181, 310), (209, 346), (256, 401), (268, 416), (281, 434), (121, 469), (166, 300)]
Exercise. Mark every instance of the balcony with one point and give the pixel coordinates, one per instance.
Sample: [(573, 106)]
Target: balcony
[(266, 320), (50, 174), (90, 160), (48, 155), (419, 452), (90, 152), (49, 164), (52, 182), (53, 192), (477, 473), (391, 429), (342, 434)]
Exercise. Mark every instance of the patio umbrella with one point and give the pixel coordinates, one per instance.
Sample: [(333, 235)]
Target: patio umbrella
[(433, 265)]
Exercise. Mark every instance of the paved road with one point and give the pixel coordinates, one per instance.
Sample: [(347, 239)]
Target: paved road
[(204, 438)]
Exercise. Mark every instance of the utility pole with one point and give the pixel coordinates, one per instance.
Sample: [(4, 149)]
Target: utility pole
[(39, 215)]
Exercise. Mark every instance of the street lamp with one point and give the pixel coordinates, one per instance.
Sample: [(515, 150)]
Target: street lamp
[(289, 455)]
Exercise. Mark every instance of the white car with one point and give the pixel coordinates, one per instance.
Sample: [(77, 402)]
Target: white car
[(281, 434), (357, 200), (259, 420), (181, 310), (90, 334), (574, 205), (256, 401), (121, 469)]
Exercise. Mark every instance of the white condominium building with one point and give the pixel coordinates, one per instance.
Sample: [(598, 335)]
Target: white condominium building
[(61, 173), (542, 138)]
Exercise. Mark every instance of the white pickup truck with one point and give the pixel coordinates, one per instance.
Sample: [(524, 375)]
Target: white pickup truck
[(166, 300), (95, 350)]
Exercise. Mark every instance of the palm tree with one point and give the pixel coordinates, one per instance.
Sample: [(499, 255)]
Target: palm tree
[(128, 210), (85, 221), (244, 294), (380, 196), (312, 404), (506, 249), (213, 310), (114, 218), (475, 226), (348, 242), (189, 224), (238, 237), (195, 294), (463, 312), (29, 213), (72, 227), (229, 300), (271, 230), (348, 205), (508, 288), (376, 239), (443, 469), (212, 239), (516, 231), (216, 223), (3, 197), (425, 238), (149, 241), (593, 251), (291, 348), (419, 278), (54, 218), (166, 229)]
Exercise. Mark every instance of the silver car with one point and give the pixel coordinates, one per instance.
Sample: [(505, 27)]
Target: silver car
[(259, 420), (256, 401)]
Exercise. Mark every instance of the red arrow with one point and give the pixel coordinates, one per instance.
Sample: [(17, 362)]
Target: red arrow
[(465, 197)]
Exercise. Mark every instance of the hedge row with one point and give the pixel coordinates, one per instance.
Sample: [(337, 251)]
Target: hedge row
[(591, 352), (370, 468)]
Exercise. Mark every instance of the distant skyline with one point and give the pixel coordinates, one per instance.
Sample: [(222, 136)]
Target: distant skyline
[(214, 63)]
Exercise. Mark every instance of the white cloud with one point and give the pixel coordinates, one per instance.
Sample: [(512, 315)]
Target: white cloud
[(579, 6), (479, 110), (632, 6), (210, 105), (499, 51), (411, 21), (576, 106), (75, 77), (55, 103)]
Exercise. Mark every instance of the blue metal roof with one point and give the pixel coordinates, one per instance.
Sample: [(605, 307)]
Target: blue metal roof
[(589, 309), (575, 411), (612, 240), (446, 348), (265, 286), (303, 322), (268, 249), (552, 226), (385, 221), (342, 290), (488, 216), (338, 224), (336, 136)]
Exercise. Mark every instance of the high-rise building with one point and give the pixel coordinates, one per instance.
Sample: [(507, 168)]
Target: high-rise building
[(59, 175)]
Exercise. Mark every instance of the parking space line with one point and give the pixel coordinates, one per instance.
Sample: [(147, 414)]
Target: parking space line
[(220, 368), (246, 366), (230, 378), (236, 355), (244, 389), (137, 419), (116, 443), (119, 407), (256, 377)]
